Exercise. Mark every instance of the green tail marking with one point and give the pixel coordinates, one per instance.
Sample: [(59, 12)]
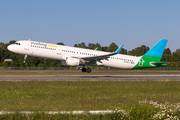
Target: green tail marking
[(153, 56), (149, 62)]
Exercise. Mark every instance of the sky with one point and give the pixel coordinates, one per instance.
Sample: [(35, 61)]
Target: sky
[(129, 22)]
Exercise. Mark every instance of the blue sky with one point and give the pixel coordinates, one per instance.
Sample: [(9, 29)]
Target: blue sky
[(129, 22)]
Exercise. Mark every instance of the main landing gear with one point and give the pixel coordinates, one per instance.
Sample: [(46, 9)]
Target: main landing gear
[(88, 70)]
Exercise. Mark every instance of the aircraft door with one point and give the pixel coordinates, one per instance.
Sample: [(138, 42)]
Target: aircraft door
[(59, 50), (27, 44)]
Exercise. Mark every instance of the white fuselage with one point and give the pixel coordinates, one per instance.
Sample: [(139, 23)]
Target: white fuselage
[(60, 52)]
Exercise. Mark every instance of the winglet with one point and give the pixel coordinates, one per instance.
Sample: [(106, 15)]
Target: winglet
[(118, 50), (96, 48)]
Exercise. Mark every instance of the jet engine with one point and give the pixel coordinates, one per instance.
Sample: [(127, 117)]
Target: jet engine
[(70, 61)]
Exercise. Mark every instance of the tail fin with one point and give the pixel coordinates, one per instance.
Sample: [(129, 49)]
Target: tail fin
[(153, 56), (158, 49)]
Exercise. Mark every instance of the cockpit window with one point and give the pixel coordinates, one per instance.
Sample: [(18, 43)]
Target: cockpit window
[(17, 43)]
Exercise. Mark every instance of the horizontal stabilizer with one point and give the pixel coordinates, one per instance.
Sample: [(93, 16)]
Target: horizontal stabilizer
[(160, 63)]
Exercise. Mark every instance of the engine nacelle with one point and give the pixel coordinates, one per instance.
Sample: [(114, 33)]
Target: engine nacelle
[(70, 62), (99, 63)]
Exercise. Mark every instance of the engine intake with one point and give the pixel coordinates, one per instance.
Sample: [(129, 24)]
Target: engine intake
[(70, 62)]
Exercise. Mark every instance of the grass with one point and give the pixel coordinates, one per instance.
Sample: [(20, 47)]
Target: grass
[(145, 110), (42, 116), (84, 95), (94, 72)]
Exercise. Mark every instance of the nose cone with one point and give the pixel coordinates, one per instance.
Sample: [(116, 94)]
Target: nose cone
[(9, 47), (13, 48)]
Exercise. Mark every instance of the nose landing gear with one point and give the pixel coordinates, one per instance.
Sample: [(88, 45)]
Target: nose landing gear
[(25, 59), (88, 70)]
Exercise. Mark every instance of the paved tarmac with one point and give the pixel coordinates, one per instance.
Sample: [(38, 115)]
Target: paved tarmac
[(91, 77)]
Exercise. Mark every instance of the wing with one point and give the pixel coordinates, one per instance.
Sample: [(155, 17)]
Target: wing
[(100, 57)]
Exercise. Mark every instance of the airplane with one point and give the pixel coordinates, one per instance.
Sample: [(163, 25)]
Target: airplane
[(74, 56)]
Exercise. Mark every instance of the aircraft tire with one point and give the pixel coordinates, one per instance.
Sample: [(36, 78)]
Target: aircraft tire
[(84, 69), (88, 70)]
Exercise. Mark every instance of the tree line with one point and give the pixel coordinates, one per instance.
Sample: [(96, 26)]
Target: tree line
[(172, 58)]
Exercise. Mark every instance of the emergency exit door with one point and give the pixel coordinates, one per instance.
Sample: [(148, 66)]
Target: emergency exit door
[(59, 51), (27, 44)]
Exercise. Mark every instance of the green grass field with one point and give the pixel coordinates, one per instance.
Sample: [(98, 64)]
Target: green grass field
[(94, 72), (84, 95)]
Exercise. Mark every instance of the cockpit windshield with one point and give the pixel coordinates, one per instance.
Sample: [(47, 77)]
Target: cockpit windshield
[(17, 43)]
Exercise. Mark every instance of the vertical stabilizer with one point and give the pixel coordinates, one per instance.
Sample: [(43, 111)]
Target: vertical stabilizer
[(153, 56), (158, 49)]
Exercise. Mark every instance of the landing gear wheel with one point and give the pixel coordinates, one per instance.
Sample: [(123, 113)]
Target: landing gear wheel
[(88, 70), (83, 69)]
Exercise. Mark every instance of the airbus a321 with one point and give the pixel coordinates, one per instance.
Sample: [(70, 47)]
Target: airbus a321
[(73, 56)]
